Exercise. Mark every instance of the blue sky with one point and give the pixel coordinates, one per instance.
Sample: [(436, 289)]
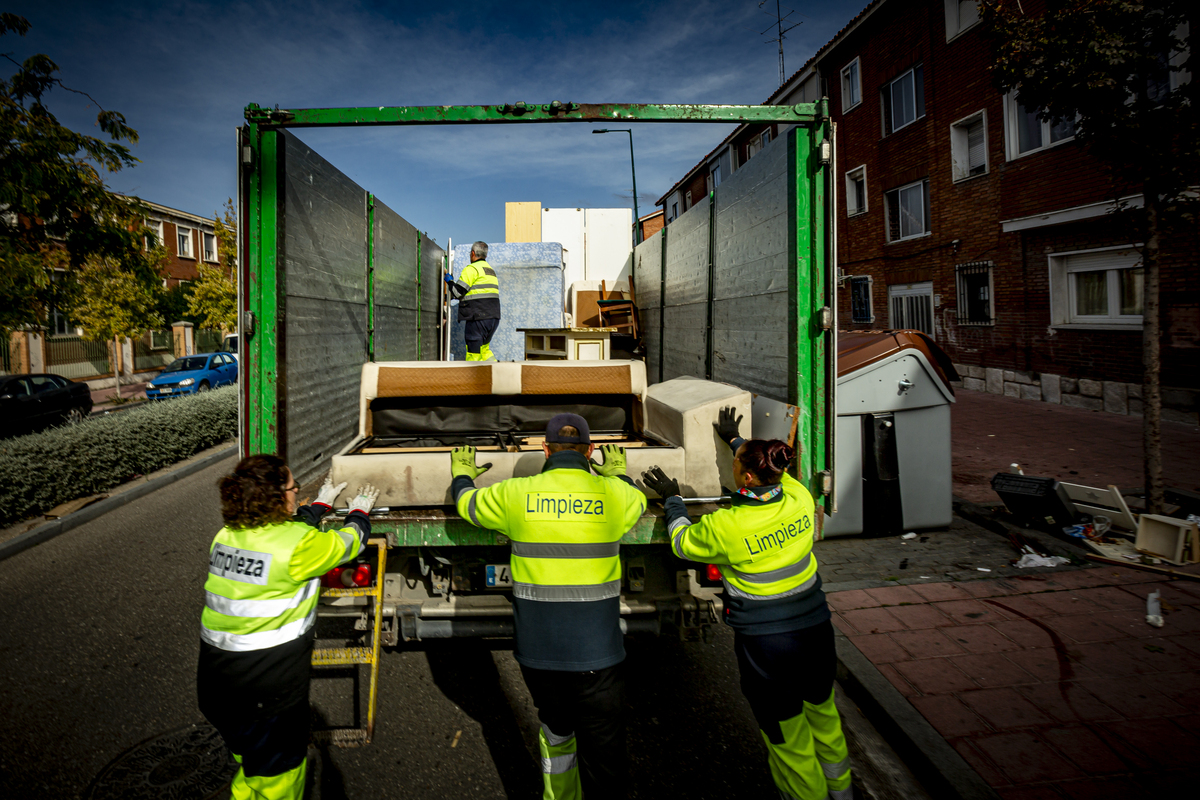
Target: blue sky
[(182, 72)]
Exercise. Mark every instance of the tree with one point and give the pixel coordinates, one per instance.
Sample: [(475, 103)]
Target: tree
[(213, 298), (53, 195), (1121, 69), (114, 304)]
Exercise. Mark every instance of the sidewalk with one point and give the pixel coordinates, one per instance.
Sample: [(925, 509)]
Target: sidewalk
[(1049, 687), (102, 399), (1094, 448)]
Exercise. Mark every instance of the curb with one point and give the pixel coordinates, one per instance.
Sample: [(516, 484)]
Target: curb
[(48, 531), (936, 764)]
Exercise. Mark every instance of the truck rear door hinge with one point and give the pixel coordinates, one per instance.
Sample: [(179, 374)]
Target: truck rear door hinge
[(248, 323), (825, 318)]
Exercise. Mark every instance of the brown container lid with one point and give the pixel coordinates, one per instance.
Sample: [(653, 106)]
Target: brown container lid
[(858, 349)]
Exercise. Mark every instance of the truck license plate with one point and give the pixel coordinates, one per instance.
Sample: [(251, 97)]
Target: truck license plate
[(498, 575)]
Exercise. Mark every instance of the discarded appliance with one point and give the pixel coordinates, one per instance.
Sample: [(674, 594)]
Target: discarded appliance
[(892, 465), (1043, 501)]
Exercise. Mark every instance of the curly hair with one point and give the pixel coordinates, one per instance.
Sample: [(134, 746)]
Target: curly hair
[(254, 494), (765, 459)]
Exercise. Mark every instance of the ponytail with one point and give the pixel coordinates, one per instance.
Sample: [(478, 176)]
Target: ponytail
[(766, 459)]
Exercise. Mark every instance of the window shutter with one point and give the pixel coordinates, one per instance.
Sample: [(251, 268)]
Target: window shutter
[(976, 154)]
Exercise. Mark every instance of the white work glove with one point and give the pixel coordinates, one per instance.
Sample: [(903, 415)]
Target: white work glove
[(328, 492), (367, 495)]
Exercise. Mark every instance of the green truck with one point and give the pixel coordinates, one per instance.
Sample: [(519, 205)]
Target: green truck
[(342, 324)]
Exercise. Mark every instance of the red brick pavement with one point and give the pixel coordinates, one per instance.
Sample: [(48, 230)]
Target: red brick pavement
[(1049, 686), (1094, 448)]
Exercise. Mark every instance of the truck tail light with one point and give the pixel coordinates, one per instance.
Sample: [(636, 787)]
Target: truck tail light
[(362, 575), (713, 572)]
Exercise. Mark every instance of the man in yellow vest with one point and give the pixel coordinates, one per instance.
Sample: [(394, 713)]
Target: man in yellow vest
[(478, 293), (566, 526)]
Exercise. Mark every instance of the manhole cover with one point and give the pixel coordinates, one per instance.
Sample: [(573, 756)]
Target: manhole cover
[(189, 763)]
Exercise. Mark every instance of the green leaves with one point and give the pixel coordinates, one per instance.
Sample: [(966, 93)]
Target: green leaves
[(39, 471), (213, 298)]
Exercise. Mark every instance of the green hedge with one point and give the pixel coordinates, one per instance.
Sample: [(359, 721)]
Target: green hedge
[(39, 471)]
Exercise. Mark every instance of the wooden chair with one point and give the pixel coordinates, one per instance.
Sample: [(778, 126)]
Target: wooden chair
[(623, 308)]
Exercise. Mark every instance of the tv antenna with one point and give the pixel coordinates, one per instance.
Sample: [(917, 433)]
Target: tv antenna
[(780, 31)]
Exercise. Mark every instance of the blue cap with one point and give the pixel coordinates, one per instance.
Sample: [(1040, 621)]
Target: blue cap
[(560, 421)]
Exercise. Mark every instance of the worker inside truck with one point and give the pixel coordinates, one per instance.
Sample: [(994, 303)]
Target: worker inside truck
[(566, 526), (478, 293), (783, 635)]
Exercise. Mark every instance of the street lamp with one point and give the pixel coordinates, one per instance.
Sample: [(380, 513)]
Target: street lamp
[(637, 227)]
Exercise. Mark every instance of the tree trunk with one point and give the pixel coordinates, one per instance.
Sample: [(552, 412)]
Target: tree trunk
[(116, 365), (1151, 363)]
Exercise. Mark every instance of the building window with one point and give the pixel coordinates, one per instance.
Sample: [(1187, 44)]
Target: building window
[(687, 201), (856, 191), (674, 210), (183, 237), (960, 15), (904, 100), (968, 146), (156, 228), (1097, 287), (974, 282), (911, 307), (1027, 133), (860, 299), (716, 176), (908, 211), (766, 138), (851, 86), (210, 247)]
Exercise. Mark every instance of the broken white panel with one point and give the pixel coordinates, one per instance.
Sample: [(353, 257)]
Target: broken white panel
[(565, 226), (608, 245), (682, 412)]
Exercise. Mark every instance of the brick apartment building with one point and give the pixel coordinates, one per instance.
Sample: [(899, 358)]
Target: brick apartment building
[(961, 214), (189, 239)]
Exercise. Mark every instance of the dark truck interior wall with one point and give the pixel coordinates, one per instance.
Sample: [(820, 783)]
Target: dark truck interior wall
[(398, 416), (323, 220)]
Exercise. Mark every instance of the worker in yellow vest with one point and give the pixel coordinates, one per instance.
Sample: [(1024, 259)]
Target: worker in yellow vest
[(478, 293), (566, 526), (783, 636), (256, 632)]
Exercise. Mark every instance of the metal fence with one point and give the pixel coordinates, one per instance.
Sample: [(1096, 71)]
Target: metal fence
[(208, 341), (5, 366), (74, 357), (152, 350)]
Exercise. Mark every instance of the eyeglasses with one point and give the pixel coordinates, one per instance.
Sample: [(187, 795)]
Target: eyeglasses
[(293, 488)]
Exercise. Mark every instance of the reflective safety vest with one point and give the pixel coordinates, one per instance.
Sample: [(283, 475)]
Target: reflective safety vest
[(481, 281), (263, 583), (764, 551), (565, 525)]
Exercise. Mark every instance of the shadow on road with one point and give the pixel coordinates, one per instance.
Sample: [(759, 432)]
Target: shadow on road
[(466, 674)]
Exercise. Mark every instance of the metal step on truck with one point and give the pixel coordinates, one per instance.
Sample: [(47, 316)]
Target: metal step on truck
[(343, 324)]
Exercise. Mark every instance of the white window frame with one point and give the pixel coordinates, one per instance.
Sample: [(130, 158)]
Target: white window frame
[(716, 175), (216, 249), (1012, 131), (852, 85), (851, 176), (960, 167), (687, 201), (926, 210), (1062, 290), (765, 139), (954, 25), (902, 290), (870, 282), (885, 95), (179, 231), (156, 226), (674, 211), (156, 342)]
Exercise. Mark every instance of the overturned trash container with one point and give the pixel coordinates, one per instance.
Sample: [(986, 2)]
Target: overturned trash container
[(892, 468)]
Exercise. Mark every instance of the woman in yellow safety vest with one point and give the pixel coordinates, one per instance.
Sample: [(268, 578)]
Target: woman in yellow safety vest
[(783, 636), (256, 632)]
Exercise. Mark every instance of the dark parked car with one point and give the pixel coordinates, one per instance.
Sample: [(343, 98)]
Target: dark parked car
[(191, 374), (32, 402)]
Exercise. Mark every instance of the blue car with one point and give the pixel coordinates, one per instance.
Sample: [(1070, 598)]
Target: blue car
[(191, 374)]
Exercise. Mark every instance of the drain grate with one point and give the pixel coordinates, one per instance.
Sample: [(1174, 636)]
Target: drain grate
[(188, 763)]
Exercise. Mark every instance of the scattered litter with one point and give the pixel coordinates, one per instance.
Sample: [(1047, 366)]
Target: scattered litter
[(983, 569), (456, 735), (909, 536), (1015, 469), (926, 577), (1035, 560), (904, 564), (1154, 610)]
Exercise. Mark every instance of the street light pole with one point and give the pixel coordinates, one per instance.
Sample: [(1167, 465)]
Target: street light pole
[(637, 227)]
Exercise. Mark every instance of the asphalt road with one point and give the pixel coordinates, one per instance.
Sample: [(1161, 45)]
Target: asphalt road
[(99, 647)]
